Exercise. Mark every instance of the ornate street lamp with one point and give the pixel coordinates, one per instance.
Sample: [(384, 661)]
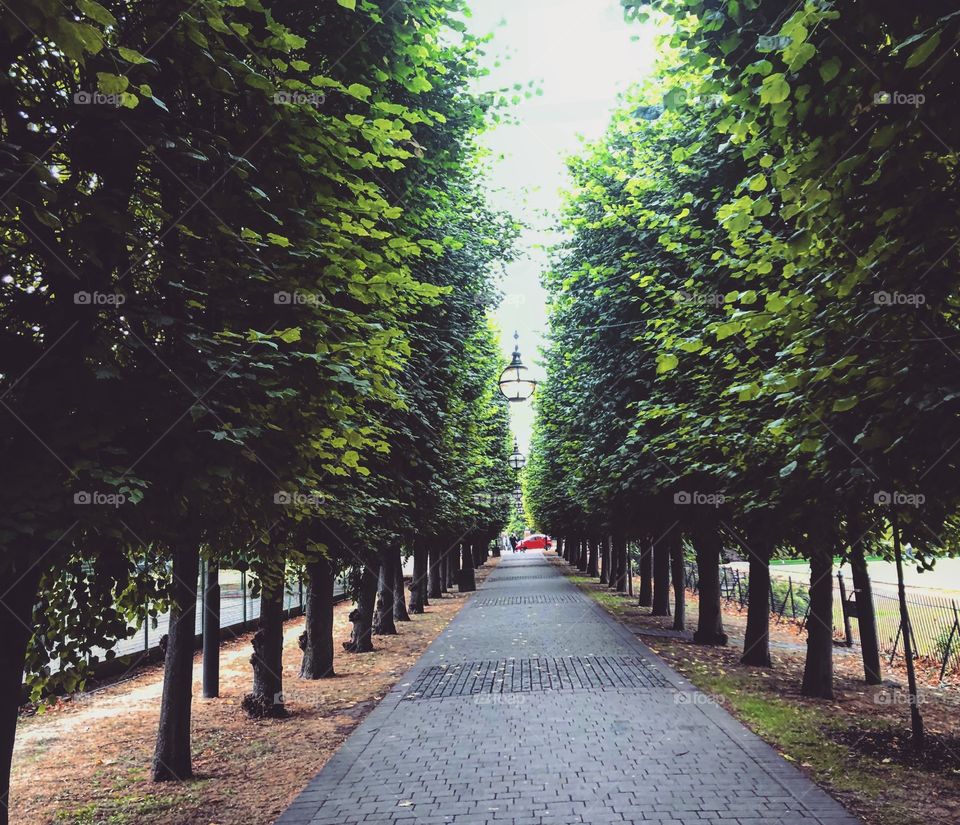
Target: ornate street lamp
[(517, 460), (514, 381)]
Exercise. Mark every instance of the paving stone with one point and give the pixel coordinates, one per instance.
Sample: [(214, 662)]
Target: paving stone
[(534, 707)]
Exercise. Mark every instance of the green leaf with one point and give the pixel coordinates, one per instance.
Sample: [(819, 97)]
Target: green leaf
[(774, 89), (787, 469), (348, 4), (924, 50), (95, 11), (844, 404), (666, 361), (829, 69), (111, 84)]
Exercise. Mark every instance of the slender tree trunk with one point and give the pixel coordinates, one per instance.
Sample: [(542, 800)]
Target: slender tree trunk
[(629, 569), (19, 594), (592, 561), (604, 560), (399, 602), (361, 637), (620, 548), (678, 574), (614, 563), (433, 572), (383, 621), (916, 720), (646, 572), (583, 558), (468, 579), (661, 577), (756, 642), (316, 641), (818, 668), (455, 566), (171, 759), (866, 617), (266, 698), (417, 590), (709, 617), (442, 570)]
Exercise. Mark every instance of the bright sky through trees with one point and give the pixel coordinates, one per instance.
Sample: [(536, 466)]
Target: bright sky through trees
[(581, 54)]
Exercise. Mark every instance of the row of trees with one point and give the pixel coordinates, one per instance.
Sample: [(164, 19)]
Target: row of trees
[(245, 293), (754, 315)]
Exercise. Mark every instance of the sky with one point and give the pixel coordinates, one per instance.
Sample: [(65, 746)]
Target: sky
[(581, 54)]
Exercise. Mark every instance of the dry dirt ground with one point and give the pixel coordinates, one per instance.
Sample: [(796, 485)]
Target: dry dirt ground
[(855, 746), (86, 760)]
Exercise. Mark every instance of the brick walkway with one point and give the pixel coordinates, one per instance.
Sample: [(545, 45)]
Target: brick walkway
[(534, 707)]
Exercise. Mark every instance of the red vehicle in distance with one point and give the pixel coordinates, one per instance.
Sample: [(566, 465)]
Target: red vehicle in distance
[(537, 541)]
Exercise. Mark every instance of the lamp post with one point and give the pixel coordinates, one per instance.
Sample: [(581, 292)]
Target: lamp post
[(515, 385), (517, 460)]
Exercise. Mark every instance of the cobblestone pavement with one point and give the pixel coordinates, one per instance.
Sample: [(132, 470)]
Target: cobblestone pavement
[(534, 707)]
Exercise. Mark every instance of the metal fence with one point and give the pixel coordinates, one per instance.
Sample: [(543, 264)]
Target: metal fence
[(237, 608), (934, 620)]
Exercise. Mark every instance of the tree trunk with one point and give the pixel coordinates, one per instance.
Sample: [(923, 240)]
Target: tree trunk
[(433, 571), (583, 558), (818, 668), (916, 720), (443, 568), (756, 642), (399, 602), (646, 572), (620, 548), (455, 565), (19, 598), (316, 641), (709, 617), (266, 698), (383, 621), (866, 617), (361, 637), (661, 577), (614, 563), (592, 561), (604, 560), (678, 574), (171, 759), (468, 580), (417, 590)]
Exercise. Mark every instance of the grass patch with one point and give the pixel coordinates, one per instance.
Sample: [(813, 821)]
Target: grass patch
[(124, 810)]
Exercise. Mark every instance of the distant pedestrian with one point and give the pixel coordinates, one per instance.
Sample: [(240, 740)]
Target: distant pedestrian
[(513, 542)]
